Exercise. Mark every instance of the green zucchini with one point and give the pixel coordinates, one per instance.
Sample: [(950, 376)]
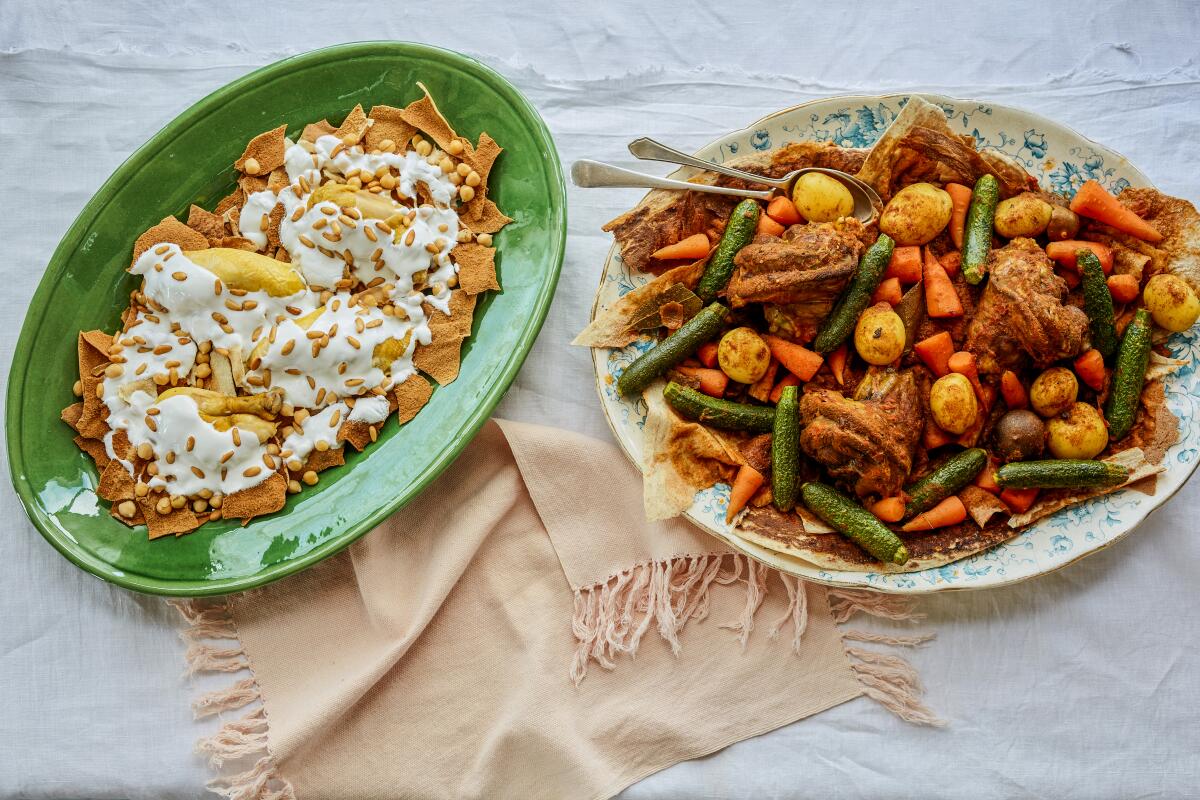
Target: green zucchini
[(679, 345), (1097, 302), (952, 475), (1060, 473), (852, 520), (719, 413), (785, 449), (844, 316), (739, 230), (977, 235), (1129, 376)]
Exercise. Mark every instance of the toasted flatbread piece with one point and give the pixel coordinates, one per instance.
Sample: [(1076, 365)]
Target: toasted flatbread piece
[(354, 125), (267, 149), (264, 498), (476, 268), (209, 224), (410, 397), (169, 230), (176, 523), (388, 124), (440, 358)]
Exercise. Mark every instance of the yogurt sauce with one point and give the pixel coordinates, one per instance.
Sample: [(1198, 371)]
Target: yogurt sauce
[(351, 348)]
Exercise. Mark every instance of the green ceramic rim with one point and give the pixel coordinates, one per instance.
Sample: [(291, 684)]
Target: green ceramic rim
[(141, 158)]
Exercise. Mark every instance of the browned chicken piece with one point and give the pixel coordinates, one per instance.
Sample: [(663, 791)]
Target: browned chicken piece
[(866, 442), (799, 277), (1022, 314), (936, 157)]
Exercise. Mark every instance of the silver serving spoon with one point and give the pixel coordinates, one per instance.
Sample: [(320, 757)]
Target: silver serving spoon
[(587, 173)]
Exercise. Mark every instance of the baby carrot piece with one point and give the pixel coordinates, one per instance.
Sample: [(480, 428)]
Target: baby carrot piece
[(1064, 253), (963, 362), (951, 262), (708, 354), (935, 352), (760, 390), (1090, 369), (889, 509), (746, 483), (941, 300), (1019, 500), (1123, 288), (888, 291), (783, 211), (960, 197), (904, 264), (693, 247), (986, 479), (798, 359), (713, 382), (788, 380), (1094, 201), (837, 363), (768, 226), (1014, 392), (950, 511)]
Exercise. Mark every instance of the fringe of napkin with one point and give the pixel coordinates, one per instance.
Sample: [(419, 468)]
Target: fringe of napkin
[(609, 620)]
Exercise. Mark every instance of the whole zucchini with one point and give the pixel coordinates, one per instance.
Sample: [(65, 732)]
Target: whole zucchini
[(852, 520), (670, 351), (785, 449), (1097, 303), (1129, 376), (739, 230), (844, 316), (1060, 473), (977, 235), (953, 474), (726, 414)]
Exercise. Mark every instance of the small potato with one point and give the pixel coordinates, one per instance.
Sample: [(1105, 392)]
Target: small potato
[(879, 335), (916, 214), (1023, 215), (1079, 432), (1171, 302), (820, 198), (952, 401), (1019, 435), (1054, 391), (1064, 224), (743, 355)]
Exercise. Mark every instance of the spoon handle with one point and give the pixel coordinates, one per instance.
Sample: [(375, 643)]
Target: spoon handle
[(650, 150), (587, 173)]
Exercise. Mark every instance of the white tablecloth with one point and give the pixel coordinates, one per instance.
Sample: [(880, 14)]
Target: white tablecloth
[(1073, 685)]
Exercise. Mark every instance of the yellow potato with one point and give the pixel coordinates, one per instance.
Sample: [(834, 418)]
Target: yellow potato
[(916, 214), (1079, 432), (879, 335), (1054, 391), (820, 198), (1171, 302), (743, 355), (952, 401), (1023, 215)]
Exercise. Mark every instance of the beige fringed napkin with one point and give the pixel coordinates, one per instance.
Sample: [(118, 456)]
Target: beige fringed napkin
[(447, 653)]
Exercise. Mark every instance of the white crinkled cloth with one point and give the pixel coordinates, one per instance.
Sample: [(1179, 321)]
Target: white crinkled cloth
[(1079, 684)]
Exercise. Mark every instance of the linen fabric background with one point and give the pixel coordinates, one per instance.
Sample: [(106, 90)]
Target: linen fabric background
[(1078, 684)]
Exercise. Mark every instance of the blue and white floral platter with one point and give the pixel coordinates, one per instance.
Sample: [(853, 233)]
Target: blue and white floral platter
[(1062, 160)]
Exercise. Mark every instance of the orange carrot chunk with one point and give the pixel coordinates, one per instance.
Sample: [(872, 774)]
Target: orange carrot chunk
[(708, 354), (905, 264), (1123, 288), (951, 262), (963, 362), (760, 390), (986, 479), (1094, 201), (788, 380), (1014, 392), (1071, 277), (888, 291), (950, 511), (768, 226), (934, 437), (693, 247), (1064, 253), (960, 197), (746, 483), (889, 509), (1090, 369), (713, 382), (783, 211), (941, 300), (935, 352), (837, 363), (1018, 500), (796, 358)]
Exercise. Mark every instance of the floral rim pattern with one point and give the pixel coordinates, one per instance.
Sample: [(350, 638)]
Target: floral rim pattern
[(1061, 159)]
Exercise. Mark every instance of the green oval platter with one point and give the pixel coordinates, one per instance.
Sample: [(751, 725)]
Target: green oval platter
[(85, 286)]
